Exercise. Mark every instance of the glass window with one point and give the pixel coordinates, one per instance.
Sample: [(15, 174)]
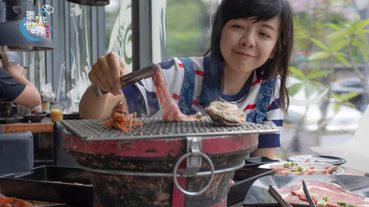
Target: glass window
[(188, 32), (330, 55), (80, 48), (118, 27)]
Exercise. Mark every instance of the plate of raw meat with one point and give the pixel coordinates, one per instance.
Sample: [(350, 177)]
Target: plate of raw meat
[(303, 168), (337, 190)]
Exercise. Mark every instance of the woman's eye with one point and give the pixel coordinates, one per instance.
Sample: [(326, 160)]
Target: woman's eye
[(264, 35), (237, 26)]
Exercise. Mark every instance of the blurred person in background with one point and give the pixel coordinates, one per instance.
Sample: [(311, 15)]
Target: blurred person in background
[(14, 86)]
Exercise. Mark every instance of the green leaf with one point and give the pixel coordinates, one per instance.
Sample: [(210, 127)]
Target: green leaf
[(294, 89), (343, 60), (348, 96), (297, 72), (352, 95), (318, 74), (320, 44), (335, 96), (318, 55), (350, 28), (363, 23), (334, 26), (344, 97), (336, 108), (309, 89), (349, 104), (336, 35), (337, 44), (317, 84)]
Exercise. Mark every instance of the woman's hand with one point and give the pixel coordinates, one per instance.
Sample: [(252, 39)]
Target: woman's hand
[(106, 72)]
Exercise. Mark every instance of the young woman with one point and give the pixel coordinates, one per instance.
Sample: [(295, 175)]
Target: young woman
[(250, 49)]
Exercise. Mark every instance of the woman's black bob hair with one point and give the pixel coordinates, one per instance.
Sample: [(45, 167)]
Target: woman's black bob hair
[(260, 10)]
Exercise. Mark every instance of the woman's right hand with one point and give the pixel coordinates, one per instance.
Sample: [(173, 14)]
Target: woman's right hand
[(106, 73)]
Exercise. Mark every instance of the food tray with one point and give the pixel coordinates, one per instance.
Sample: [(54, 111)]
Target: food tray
[(258, 193), (52, 184), (243, 179)]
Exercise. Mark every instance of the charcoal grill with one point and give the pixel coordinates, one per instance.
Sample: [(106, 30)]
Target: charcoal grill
[(144, 166)]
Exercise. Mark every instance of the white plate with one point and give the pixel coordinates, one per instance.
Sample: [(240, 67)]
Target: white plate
[(320, 158), (316, 165)]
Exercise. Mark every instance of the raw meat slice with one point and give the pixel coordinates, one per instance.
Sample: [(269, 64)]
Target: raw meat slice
[(320, 189), (170, 109), (289, 197)]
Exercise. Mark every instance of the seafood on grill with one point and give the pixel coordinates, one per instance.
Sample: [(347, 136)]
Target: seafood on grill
[(171, 111), (121, 119), (225, 113)]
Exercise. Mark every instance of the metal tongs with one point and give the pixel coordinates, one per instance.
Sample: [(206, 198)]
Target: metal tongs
[(132, 78), (278, 197), (284, 203), (307, 194)]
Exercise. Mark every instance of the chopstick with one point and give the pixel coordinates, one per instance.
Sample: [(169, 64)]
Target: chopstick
[(278, 197), (307, 194)]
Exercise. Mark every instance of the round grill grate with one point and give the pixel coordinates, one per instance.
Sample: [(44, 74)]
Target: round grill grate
[(154, 127)]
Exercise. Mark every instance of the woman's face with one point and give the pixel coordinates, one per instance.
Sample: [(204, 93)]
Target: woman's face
[(246, 45)]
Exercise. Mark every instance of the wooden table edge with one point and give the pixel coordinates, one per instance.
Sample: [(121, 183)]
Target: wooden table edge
[(33, 127)]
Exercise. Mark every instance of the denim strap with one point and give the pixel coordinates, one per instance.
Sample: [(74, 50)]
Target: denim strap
[(266, 91), (188, 87)]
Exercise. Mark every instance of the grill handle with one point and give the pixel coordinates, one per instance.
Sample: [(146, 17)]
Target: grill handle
[(193, 162), (175, 175), (193, 165)]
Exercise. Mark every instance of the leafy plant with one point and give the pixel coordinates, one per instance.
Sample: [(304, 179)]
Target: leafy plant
[(341, 99), (352, 36), (332, 50), (306, 82)]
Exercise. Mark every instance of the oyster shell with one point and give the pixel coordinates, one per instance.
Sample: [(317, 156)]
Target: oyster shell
[(225, 113)]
